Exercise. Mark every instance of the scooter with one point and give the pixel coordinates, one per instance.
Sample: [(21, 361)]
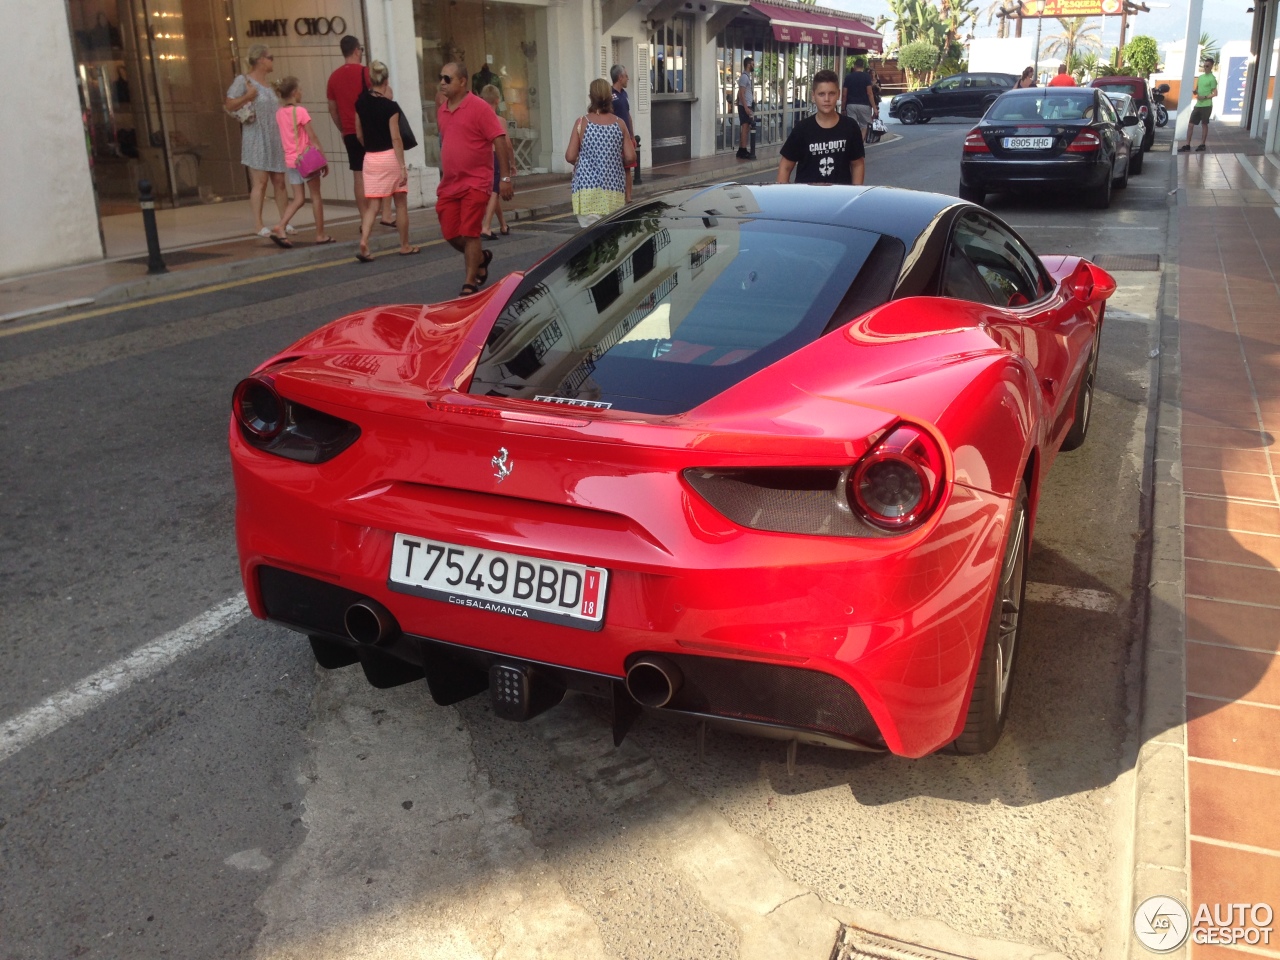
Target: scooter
[(1157, 98)]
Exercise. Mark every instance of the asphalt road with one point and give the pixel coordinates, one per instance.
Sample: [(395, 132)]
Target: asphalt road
[(221, 797)]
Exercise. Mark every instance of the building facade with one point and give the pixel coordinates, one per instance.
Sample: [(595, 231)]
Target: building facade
[(126, 90)]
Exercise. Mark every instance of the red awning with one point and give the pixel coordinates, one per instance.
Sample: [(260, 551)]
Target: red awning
[(803, 26)]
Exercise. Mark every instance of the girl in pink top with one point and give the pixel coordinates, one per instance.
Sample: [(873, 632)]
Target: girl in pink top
[(296, 136)]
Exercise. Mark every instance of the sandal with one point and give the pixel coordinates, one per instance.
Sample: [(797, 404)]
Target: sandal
[(280, 242), (364, 257), (468, 290), (488, 236), (320, 240), (392, 224), (410, 252), (482, 275), (505, 231)]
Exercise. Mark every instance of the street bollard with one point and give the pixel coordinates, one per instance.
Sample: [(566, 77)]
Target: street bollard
[(755, 125), (155, 264), (636, 180)]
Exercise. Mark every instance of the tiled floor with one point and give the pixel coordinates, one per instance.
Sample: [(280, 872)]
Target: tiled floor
[(1229, 315)]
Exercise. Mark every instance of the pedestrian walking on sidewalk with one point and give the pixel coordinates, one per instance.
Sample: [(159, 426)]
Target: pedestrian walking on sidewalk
[(491, 95), (1205, 87), (858, 98), (746, 107), (345, 85), (622, 110), (298, 139), (1063, 79), (260, 147), (385, 173), (826, 147), (599, 149), (470, 135)]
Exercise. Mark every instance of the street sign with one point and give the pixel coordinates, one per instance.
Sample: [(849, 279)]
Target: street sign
[(1071, 8)]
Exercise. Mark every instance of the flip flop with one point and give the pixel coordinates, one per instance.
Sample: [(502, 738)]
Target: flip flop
[(488, 236), (325, 240), (392, 224), (280, 242), (468, 290), (482, 275), (264, 232), (364, 258), (410, 252), (505, 231)]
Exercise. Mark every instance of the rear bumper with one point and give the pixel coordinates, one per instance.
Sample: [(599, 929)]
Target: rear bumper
[(993, 174), (886, 629)]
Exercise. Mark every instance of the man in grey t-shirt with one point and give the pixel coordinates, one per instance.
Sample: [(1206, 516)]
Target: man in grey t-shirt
[(746, 107)]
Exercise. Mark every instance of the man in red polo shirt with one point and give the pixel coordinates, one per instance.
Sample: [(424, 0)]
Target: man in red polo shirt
[(470, 132)]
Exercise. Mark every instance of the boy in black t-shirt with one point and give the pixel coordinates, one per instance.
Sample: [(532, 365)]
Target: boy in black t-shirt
[(824, 148)]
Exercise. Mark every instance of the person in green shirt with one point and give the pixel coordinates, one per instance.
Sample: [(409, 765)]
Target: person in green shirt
[(1206, 86)]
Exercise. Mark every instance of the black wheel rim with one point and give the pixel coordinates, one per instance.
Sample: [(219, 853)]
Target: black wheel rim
[(1010, 612)]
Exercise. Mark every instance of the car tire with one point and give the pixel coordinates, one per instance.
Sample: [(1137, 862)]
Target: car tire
[(986, 104), (909, 113), (1124, 180), (1150, 138), (971, 194), (1084, 401), (989, 701), (1135, 163), (1100, 196)]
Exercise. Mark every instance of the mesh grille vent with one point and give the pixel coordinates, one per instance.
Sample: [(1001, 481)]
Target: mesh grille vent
[(855, 944)]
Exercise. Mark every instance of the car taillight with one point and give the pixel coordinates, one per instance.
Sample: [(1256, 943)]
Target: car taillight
[(1086, 141), (974, 143), (892, 489), (899, 482), (1142, 112), (275, 424)]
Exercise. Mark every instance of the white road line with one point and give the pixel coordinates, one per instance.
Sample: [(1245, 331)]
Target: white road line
[(75, 701), (1095, 600)]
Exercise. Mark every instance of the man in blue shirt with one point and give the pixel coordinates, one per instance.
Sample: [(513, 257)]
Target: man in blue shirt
[(622, 108)]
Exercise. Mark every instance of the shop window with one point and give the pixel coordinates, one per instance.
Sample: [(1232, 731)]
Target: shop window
[(670, 70)]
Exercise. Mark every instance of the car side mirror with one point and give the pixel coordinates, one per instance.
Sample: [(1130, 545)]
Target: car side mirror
[(1130, 121), (1163, 88), (1089, 283)]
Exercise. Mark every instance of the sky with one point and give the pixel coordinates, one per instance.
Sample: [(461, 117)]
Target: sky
[(1223, 20)]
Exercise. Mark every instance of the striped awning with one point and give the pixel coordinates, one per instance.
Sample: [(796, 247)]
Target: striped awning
[(804, 26)]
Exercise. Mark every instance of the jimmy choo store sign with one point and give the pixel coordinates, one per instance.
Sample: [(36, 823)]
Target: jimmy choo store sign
[(302, 27)]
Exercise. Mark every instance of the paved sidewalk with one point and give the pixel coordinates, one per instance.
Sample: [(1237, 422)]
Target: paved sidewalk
[(1210, 786), (219, 257)]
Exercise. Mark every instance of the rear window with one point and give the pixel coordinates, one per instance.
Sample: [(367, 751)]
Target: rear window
[(658, 311), (1131, 87), (1044, 105)]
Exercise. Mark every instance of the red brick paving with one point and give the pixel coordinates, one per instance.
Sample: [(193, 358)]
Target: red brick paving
[(1229, 331)]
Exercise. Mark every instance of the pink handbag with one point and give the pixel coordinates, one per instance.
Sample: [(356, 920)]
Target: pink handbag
[(311, 160)]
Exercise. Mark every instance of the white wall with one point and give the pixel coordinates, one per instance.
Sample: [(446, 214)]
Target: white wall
[(47, 206), (392, 40)]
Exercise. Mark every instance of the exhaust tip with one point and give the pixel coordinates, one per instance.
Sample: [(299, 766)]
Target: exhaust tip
[(653, 681), (368, 622)]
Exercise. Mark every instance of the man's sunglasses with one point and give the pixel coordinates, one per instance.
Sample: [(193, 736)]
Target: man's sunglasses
[(446, 79)]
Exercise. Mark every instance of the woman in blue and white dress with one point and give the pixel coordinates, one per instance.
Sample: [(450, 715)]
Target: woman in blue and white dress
[(599, 150), (260, 147)]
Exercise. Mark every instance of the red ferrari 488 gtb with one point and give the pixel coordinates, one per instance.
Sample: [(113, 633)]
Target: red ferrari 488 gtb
[(765, 456)]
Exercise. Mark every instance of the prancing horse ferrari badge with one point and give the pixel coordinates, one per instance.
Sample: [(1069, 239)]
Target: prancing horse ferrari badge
[(500, 463)]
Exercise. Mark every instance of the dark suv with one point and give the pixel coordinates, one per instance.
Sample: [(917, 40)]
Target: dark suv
[(1135, 87), (960, 95)]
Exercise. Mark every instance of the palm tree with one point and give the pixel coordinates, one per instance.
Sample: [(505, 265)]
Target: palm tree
[(991, 11), (1076, 32), (1208, 47)]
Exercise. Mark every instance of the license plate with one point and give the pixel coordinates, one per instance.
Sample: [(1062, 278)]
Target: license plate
[(566, 593), (1028, 143)]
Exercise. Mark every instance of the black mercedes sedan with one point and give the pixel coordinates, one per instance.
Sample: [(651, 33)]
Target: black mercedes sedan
[(1067, 137)]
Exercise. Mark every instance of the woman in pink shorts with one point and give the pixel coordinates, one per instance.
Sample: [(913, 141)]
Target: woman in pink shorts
[(385, 174)]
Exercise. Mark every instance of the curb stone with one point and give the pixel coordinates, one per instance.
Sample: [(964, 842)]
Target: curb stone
[(1160, 837)]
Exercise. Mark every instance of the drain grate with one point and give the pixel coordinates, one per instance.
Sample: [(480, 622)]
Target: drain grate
[(855, 944), (176, 258), (1127, 261)]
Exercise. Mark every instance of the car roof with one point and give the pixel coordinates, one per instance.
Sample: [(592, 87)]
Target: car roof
[(891, 211), (1046, 92), (1136, 83)]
